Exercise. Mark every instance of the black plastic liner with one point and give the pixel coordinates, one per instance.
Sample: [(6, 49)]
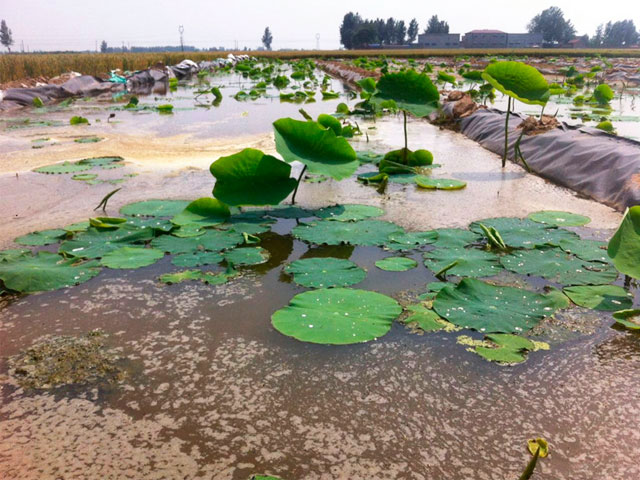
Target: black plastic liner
[(589, 161)]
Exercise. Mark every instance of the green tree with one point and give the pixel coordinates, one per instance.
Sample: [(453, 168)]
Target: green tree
[(103, 46), (552, 25), (400, 32), (412, 31), (435, 25), (6, 36), (598, 38), (350, 24), (364, 35), (620, 34), (389, 31), (267, 38)]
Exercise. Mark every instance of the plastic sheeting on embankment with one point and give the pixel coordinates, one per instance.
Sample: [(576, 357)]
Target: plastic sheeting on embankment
[(141, 82), (591, 162)]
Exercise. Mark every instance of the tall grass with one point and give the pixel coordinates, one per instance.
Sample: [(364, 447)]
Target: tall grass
[(20, 66)]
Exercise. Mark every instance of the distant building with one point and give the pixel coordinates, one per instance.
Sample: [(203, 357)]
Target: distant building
[(500, 39), (438, 40), (579, 42)]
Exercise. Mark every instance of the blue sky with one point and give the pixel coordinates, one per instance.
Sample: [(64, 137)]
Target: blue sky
[(78, 24)]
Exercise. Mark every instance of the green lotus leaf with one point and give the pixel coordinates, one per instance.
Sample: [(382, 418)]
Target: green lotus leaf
[(204, 212), (558, 266), (209, 278), (487, 308), (589, 250), (330, 122), (319, 149), (325, 272), (440, 183), (78, 227), (508, 349), (337, 316), (603, 94), (367, 84), (446, 77), (197, 259), (252, 178), (558, 219), (369, 157), (247, 256), (629, 319), (212, 240), (83, 177), (397, 161), (186, 231), (44, 271), (410, 240), (95, 243), (364, 232), (524, 233), (600, 297), (62, 168), (518, 80), (455, 237), (131, 257), (246, 227), (624, 246), (13, 253), (463, 262), (107, 223), (102, 161), (290, 212), (426, 320), (349, 212), (43, 237), (396, 264), (539, 445), (411, 91), (155, 208), (77, 120)]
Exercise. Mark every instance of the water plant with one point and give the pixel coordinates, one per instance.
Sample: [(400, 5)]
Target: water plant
[(518, 81)]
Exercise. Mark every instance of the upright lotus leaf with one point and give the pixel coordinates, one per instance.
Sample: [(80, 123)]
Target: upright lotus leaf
[(131, 257), (624, 246), (556, 265), (155, 208), (603, 94), (204, 212), (349, 212), (413, 92), (321, 151), (337, 316), (487, 308), (325, 272), (252, 178), (44, 271), (518, 80), (43, 237), (330, 122), (364, 232), (600, 297), (367, 85)]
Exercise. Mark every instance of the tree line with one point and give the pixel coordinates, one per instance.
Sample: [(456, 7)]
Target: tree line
[(357, 32)]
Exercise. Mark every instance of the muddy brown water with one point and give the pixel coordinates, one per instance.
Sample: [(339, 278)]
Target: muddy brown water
[(214, 392)]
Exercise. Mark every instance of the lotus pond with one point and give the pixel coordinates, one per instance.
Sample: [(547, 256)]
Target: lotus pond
[(414, 314)]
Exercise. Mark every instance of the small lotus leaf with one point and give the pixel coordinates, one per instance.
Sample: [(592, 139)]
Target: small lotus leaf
[(440, 183), (363, 232), (155, 208), (204, 212), (396, 264), (95, 243), (197, 259), (629, 319), (43, 237), (62, 168), (349, 212), (524, 233), (464, 262), (325, 272), (247, 256), (600, 297), (131, 257), (559, 219)]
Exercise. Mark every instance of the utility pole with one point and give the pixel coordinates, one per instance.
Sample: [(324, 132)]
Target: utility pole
[(181, 30), (22, 46), (317, 41)]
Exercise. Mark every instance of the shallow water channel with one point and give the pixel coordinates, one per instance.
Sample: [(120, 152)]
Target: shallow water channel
[(213, 391)]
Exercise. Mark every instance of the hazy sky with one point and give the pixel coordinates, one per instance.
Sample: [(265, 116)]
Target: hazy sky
[(78, 24)]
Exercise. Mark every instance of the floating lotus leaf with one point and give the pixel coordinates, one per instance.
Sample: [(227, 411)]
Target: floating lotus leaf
[(518, 80), (13, 253), (427, 321), (155, 208), (44, 271), (559, 219), (455, 237), (410, 240), (212, 240), (107, 223), (624, 246), (411, 91), (364, 232), (290, 212), (204, 212), (43, 237), (487, 308), (369, 157), (252, 178), (187, 231), (539, 445), (629, 319), (325, 272), (524, 233), (197, 259), (559, 267), (600, 297), (247, 256), (319, 149), (102, 161), (131, 257), (209, 278), (589, 250), (505, 348), (463, 262), (396, 264), (88, 139), (348, 213), (603, 94), (440, 183), (83, 177), (95, 243), (249, 228), (78, 227), (337, 316), (401, 178), (62, 168)]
